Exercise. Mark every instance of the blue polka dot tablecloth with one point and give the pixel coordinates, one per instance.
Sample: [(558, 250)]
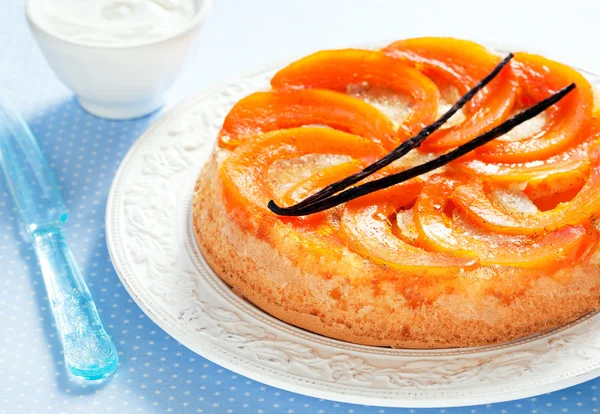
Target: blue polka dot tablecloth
[(156, 373)]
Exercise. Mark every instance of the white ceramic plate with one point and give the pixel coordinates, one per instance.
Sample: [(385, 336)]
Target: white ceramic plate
[(153, 250)]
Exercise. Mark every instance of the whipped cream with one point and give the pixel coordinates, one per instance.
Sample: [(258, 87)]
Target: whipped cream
[(113, 22)]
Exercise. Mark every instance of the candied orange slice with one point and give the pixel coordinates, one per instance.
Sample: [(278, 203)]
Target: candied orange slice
[(244, 173), (366, 227), (337, 69), (538, 78), (478, 207), (321, 179), (460, 64), (267, 111), (439, 232), (562, 172)]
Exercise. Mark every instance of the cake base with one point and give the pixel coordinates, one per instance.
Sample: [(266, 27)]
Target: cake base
[(349, 299)]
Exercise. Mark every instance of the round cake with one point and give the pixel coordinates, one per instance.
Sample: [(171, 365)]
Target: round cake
[(493, 245)]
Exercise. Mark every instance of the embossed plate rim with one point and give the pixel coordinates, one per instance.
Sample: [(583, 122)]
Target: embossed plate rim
[(265, 373)]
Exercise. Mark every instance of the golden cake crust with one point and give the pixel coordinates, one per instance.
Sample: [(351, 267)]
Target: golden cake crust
[(354, 300)]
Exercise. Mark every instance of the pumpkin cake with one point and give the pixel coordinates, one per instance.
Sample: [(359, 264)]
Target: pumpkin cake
[(499, 243)]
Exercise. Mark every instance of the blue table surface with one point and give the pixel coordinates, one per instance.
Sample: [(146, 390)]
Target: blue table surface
[(156, 373)]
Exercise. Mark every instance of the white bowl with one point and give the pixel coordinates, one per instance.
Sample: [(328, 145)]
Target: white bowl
[(118, 82)]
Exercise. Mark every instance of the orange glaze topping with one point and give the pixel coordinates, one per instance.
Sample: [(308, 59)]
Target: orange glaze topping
[(526, 204)]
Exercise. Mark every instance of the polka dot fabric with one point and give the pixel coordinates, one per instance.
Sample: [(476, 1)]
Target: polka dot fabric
[(156, 373)]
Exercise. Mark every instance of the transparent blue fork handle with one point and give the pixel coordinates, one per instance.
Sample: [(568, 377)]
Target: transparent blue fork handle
[(89, 352)]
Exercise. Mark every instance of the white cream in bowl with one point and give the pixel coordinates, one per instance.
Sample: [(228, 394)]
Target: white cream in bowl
[(118, 56), (114, 22)]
